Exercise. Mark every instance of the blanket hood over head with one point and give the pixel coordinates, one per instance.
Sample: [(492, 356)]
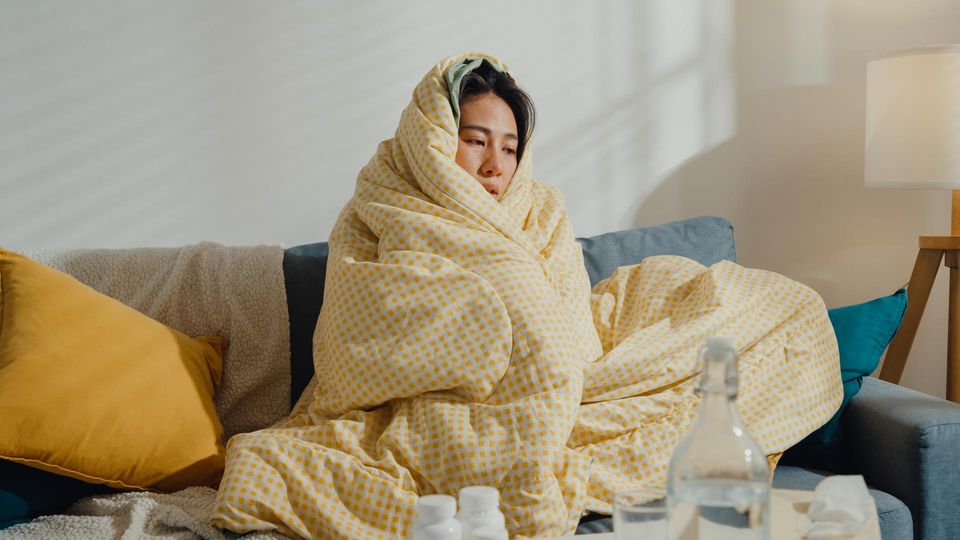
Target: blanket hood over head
[(426, 142)]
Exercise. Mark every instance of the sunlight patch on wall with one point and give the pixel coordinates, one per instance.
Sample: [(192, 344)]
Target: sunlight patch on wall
[(660, 91)]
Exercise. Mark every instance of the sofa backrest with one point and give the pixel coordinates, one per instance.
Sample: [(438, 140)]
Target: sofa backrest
[(304, 271), (705, 239)]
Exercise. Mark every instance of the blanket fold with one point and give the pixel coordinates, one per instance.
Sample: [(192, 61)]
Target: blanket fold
[(460, 344)]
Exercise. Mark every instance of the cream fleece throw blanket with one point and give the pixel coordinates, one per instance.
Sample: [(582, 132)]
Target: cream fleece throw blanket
[(207, 289), (459, 344)]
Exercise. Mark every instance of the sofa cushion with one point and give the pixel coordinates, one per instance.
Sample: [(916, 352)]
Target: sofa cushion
[(92, 389), (895, 518), (705, 239)]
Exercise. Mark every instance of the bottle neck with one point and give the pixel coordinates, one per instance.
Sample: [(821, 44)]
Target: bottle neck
[(719, 376), (718, 390), (716, 409)]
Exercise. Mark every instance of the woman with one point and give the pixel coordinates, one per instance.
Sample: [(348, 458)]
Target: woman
[(459, 343)]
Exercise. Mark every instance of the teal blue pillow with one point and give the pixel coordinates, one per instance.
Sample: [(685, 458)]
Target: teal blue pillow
[(863, 333)]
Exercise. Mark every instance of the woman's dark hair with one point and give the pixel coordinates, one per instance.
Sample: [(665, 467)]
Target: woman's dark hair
[(485, 79)]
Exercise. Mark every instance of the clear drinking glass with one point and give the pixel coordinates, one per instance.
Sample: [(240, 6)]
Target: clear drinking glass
[(640, 514)]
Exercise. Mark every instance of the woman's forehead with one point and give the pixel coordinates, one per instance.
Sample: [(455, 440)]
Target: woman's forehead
[(488, 113)]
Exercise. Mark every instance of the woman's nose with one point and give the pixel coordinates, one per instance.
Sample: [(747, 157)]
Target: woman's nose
[(492, 165)]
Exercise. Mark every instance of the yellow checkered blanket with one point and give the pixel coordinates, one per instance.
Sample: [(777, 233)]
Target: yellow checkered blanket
[(460, 344)]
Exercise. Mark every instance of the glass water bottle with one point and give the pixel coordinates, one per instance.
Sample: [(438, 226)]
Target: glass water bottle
[(718, 480)]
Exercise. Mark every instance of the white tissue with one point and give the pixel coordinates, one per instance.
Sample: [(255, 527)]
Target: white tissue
[(841, 506)]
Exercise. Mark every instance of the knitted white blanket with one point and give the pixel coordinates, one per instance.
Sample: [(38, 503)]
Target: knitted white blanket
[(128, 516)]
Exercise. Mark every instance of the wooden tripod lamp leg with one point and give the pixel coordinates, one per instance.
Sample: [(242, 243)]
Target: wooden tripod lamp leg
[(921, 281), (953, 336)]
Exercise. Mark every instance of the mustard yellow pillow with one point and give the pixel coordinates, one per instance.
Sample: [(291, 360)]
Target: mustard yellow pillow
[(93, 389)]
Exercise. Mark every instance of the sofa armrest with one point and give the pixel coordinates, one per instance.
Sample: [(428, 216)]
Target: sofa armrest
[(908, 444)]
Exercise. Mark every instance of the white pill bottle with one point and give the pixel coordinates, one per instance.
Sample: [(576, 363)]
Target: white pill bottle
[(435, 519), (480, 508)]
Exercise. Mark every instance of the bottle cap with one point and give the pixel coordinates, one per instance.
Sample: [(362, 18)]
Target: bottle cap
[(719, 346), (490, 532), (474, 498), (436, 507)]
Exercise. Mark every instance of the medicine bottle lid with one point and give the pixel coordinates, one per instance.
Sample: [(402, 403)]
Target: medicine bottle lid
[(473, 498), (436, 507)]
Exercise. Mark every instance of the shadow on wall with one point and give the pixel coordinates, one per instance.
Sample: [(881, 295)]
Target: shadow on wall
[(791, 179)]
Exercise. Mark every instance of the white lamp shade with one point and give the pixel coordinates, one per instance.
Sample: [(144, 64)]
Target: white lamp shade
[(913, 119)]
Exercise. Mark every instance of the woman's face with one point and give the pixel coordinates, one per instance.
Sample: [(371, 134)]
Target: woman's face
[(487, 143)]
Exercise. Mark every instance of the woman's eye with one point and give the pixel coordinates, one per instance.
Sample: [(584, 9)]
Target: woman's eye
[(476, 142), (510, 151)]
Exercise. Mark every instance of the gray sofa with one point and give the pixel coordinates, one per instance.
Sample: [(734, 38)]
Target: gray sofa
[(906, 444)]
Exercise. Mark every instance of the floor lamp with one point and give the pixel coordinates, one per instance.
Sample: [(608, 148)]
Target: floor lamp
[(913, 141)]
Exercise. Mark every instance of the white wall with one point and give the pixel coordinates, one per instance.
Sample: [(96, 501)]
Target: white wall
[(164, 123)]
